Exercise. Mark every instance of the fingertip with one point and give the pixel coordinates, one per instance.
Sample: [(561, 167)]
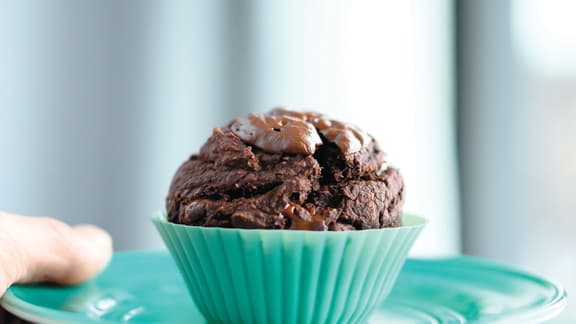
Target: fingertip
[(46, 249), (95, 236), (92, 254)]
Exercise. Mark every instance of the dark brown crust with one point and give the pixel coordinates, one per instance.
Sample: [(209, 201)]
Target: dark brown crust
[(232, 184)]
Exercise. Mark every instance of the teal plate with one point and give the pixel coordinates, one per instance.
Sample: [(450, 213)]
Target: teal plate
[(145, 287)]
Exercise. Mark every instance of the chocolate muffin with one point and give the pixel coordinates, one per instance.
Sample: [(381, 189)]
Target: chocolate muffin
[(287, 170)]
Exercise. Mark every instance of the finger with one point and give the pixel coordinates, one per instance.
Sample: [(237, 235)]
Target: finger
[(72, 255), (92, 254), (55, 252)]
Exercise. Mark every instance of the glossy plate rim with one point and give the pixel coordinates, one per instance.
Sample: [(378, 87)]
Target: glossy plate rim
[(550, 309), (544, 312)]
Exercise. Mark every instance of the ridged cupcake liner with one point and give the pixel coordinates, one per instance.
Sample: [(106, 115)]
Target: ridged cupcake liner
[(285, 276)]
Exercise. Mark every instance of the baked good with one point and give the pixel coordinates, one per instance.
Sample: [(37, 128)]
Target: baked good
[(287, 170)]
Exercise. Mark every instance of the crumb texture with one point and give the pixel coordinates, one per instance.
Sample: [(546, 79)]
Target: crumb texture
[(287, 170)]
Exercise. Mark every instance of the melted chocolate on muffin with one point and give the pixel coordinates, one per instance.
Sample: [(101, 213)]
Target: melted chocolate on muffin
[(287, 170)]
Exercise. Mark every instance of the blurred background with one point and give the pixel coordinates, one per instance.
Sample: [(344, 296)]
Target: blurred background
[(475, 102)]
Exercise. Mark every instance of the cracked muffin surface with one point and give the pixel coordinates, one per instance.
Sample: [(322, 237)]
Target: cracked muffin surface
[(287, 170)]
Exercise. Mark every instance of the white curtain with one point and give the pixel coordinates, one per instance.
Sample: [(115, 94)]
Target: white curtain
[(518, 135)]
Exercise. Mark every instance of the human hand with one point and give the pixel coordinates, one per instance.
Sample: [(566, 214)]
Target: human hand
[(41, 249)]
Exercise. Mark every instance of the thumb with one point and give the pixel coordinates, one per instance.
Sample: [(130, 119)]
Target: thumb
[(45, 249)]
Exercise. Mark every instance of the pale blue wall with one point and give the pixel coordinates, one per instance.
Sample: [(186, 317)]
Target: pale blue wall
[(101, 101)]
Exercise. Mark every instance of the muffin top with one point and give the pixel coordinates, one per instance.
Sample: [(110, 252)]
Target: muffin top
[(287, 170)]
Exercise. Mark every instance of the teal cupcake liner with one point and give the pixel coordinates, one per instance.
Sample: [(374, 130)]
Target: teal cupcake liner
[(286, 276)]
